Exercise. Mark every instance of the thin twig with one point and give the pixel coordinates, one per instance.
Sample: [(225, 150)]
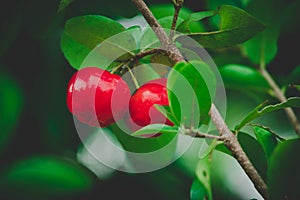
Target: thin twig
[(177, 6), (231, 141), (196, 133), (135, 82), (280, 96)]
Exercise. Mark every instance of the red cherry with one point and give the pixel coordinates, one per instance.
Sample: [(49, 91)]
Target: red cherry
[(141, 104), (97, 97)]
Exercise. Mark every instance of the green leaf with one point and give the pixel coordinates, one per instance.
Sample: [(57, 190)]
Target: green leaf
[(166, 111), (184, 27), (262, 110), (236, 27), (156, 128), (47, 176), (283, 172), (82, 34), (242, 77), (64, 4), (201, 187), (295, 76), (266, 139), (90, 30), (10, 106), (166, 10), (255, 153), (191, 88), (222, 148), (198, 191), (263, 47), (145, 145)]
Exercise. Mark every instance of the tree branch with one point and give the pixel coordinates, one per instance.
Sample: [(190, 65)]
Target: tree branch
[(140, 55), (231, 141), (234, 146), (171, 50), (280, 96)]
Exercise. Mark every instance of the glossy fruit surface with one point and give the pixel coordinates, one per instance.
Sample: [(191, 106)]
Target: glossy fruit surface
[(97, 97), (141, 105)]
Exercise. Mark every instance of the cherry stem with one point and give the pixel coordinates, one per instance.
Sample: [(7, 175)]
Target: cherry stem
[(116, 68), (135, 82)]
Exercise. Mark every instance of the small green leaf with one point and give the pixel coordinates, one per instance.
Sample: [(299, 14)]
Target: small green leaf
[(82, 34), (255, 153), (266, 139), (191, 88), (283, 172), (64, 4), (156, 128), (166, 10), (295, 76), (242, 77), (198, 191), (166, 111), (184, 27), (236, 27), (145, 145), (222, 148), (201, 187), (47, 175), (262, 110)]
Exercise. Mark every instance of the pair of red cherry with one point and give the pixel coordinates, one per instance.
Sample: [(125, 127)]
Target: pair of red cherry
[(98, 98)]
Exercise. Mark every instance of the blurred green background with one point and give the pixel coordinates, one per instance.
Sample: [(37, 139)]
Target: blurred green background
[(38, 139)]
